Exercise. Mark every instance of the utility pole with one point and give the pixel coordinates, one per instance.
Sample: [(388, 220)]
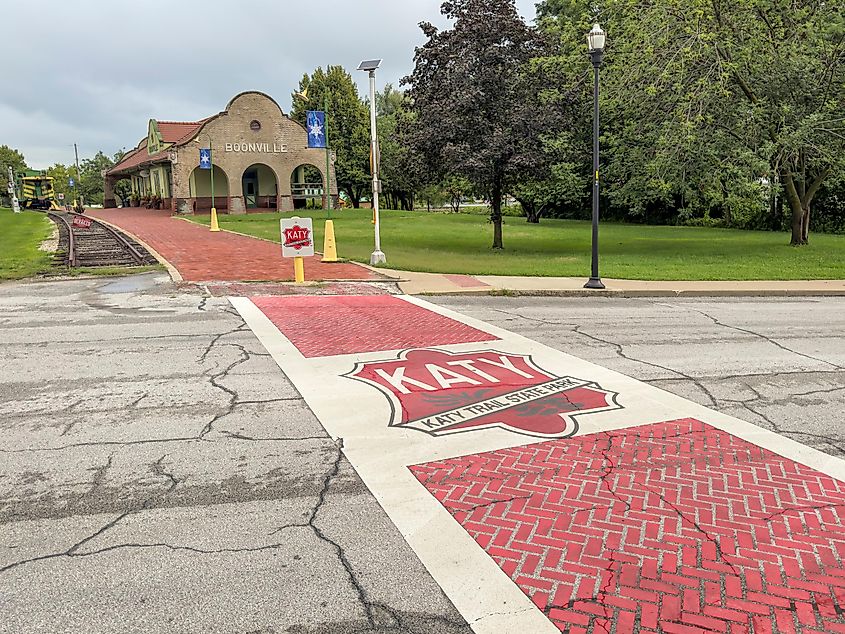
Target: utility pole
[(78, 178)]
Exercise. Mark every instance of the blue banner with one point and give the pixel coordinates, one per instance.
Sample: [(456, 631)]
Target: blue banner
[(205, 158), (315, 123)]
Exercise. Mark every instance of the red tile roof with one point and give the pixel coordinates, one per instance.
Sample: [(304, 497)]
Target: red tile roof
[(175, 132), (178, 131), (136, 158)]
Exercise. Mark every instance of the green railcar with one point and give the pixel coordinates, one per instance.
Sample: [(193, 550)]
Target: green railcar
[(35, 191)]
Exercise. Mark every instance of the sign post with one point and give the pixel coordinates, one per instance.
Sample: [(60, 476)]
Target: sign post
[(207, 163), (318, 137), (297, 243)]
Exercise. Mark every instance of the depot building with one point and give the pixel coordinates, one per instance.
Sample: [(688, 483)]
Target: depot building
[(261, 161)]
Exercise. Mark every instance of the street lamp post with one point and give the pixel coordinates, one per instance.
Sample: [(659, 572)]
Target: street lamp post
[(370, 66), (595, 42)]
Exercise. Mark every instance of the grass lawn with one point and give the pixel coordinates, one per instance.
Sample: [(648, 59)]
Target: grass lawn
[(20, 235), (460, 243)]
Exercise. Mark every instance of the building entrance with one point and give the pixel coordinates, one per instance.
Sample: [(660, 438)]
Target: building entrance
[(250, 185)]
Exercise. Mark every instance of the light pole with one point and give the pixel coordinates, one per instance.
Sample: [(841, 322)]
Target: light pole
[(370, 66), (595, 42)]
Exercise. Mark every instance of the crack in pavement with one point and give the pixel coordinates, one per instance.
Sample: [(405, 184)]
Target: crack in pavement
[(717, 322), (156, 467), (127, 443), (819, 507), (215, 379), (621, 353), (99, 475), (241, 327), (610, 570), (534, 319), (134, 403), (698, 527), (237, 436), (371, 608), (835, 443)]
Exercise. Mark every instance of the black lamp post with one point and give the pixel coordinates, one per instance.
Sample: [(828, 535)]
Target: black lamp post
[(595, 42)]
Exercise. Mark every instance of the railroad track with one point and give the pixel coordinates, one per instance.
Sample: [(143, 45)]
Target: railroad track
[(96, 245)]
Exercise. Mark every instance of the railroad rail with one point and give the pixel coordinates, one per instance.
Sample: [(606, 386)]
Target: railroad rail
[(97, 244)]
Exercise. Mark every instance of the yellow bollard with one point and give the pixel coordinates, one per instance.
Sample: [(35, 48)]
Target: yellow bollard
[(329, 246), (214, 225), (299, 270)]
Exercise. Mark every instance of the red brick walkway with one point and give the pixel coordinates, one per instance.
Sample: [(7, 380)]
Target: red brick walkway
[(202, 256), (676, 527)]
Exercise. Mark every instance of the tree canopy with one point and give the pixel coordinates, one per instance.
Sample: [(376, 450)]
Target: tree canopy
[(476, 109), (9, 157), (348, 121), (715, 105)]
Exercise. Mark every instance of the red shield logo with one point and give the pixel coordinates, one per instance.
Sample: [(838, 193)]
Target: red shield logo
[(439, 393), (297, 237)]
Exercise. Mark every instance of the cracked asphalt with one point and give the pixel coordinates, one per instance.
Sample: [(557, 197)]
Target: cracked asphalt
[(776, 362), (158, 473)]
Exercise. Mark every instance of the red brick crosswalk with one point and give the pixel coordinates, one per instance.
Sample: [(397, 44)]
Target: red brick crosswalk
[(676, 527), (325, 326)]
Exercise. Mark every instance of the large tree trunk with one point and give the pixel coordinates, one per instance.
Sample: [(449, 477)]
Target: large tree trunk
[(799, 203), (496, 215), (797, 209), (532, 211), (354, 197), (805, 224)]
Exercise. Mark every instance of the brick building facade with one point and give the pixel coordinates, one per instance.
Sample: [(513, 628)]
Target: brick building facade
[(261, 162)]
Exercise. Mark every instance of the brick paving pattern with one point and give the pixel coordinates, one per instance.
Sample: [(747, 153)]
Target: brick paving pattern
[(334, 325), (675, 527), (257, 289), (200, 255)]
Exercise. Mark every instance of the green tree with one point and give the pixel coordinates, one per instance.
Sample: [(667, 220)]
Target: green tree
[(348, 122), (61, 175), (399, 169), (91, 174), (9, 157), (707, 98), (478, 113)]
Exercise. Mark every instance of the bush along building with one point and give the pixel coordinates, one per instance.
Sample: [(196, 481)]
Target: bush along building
[(261, 162)]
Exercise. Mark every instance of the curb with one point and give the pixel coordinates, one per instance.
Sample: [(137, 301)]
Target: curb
[(607, 294)]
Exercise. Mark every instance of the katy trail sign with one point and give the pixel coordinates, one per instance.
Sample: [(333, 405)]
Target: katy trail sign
[(297, 237)]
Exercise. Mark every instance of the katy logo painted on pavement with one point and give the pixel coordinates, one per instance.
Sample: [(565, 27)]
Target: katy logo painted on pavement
[(439, 393)]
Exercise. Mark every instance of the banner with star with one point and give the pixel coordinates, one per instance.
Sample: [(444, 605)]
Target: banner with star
[(315, 124), (205, 158)]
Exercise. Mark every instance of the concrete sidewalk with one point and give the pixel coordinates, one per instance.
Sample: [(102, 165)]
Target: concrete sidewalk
[(449, 284)]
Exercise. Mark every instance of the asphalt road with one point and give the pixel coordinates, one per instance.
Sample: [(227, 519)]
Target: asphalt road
[(775, 362), (158, 473)]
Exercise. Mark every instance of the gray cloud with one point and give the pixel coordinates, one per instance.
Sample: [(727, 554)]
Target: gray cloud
[(98, 69)]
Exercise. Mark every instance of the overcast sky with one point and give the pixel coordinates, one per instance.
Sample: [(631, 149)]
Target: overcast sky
[(99, 69)]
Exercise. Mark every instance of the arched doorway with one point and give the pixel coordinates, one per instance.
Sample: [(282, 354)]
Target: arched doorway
[(307, 186), (260, 187), (200, 189)]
